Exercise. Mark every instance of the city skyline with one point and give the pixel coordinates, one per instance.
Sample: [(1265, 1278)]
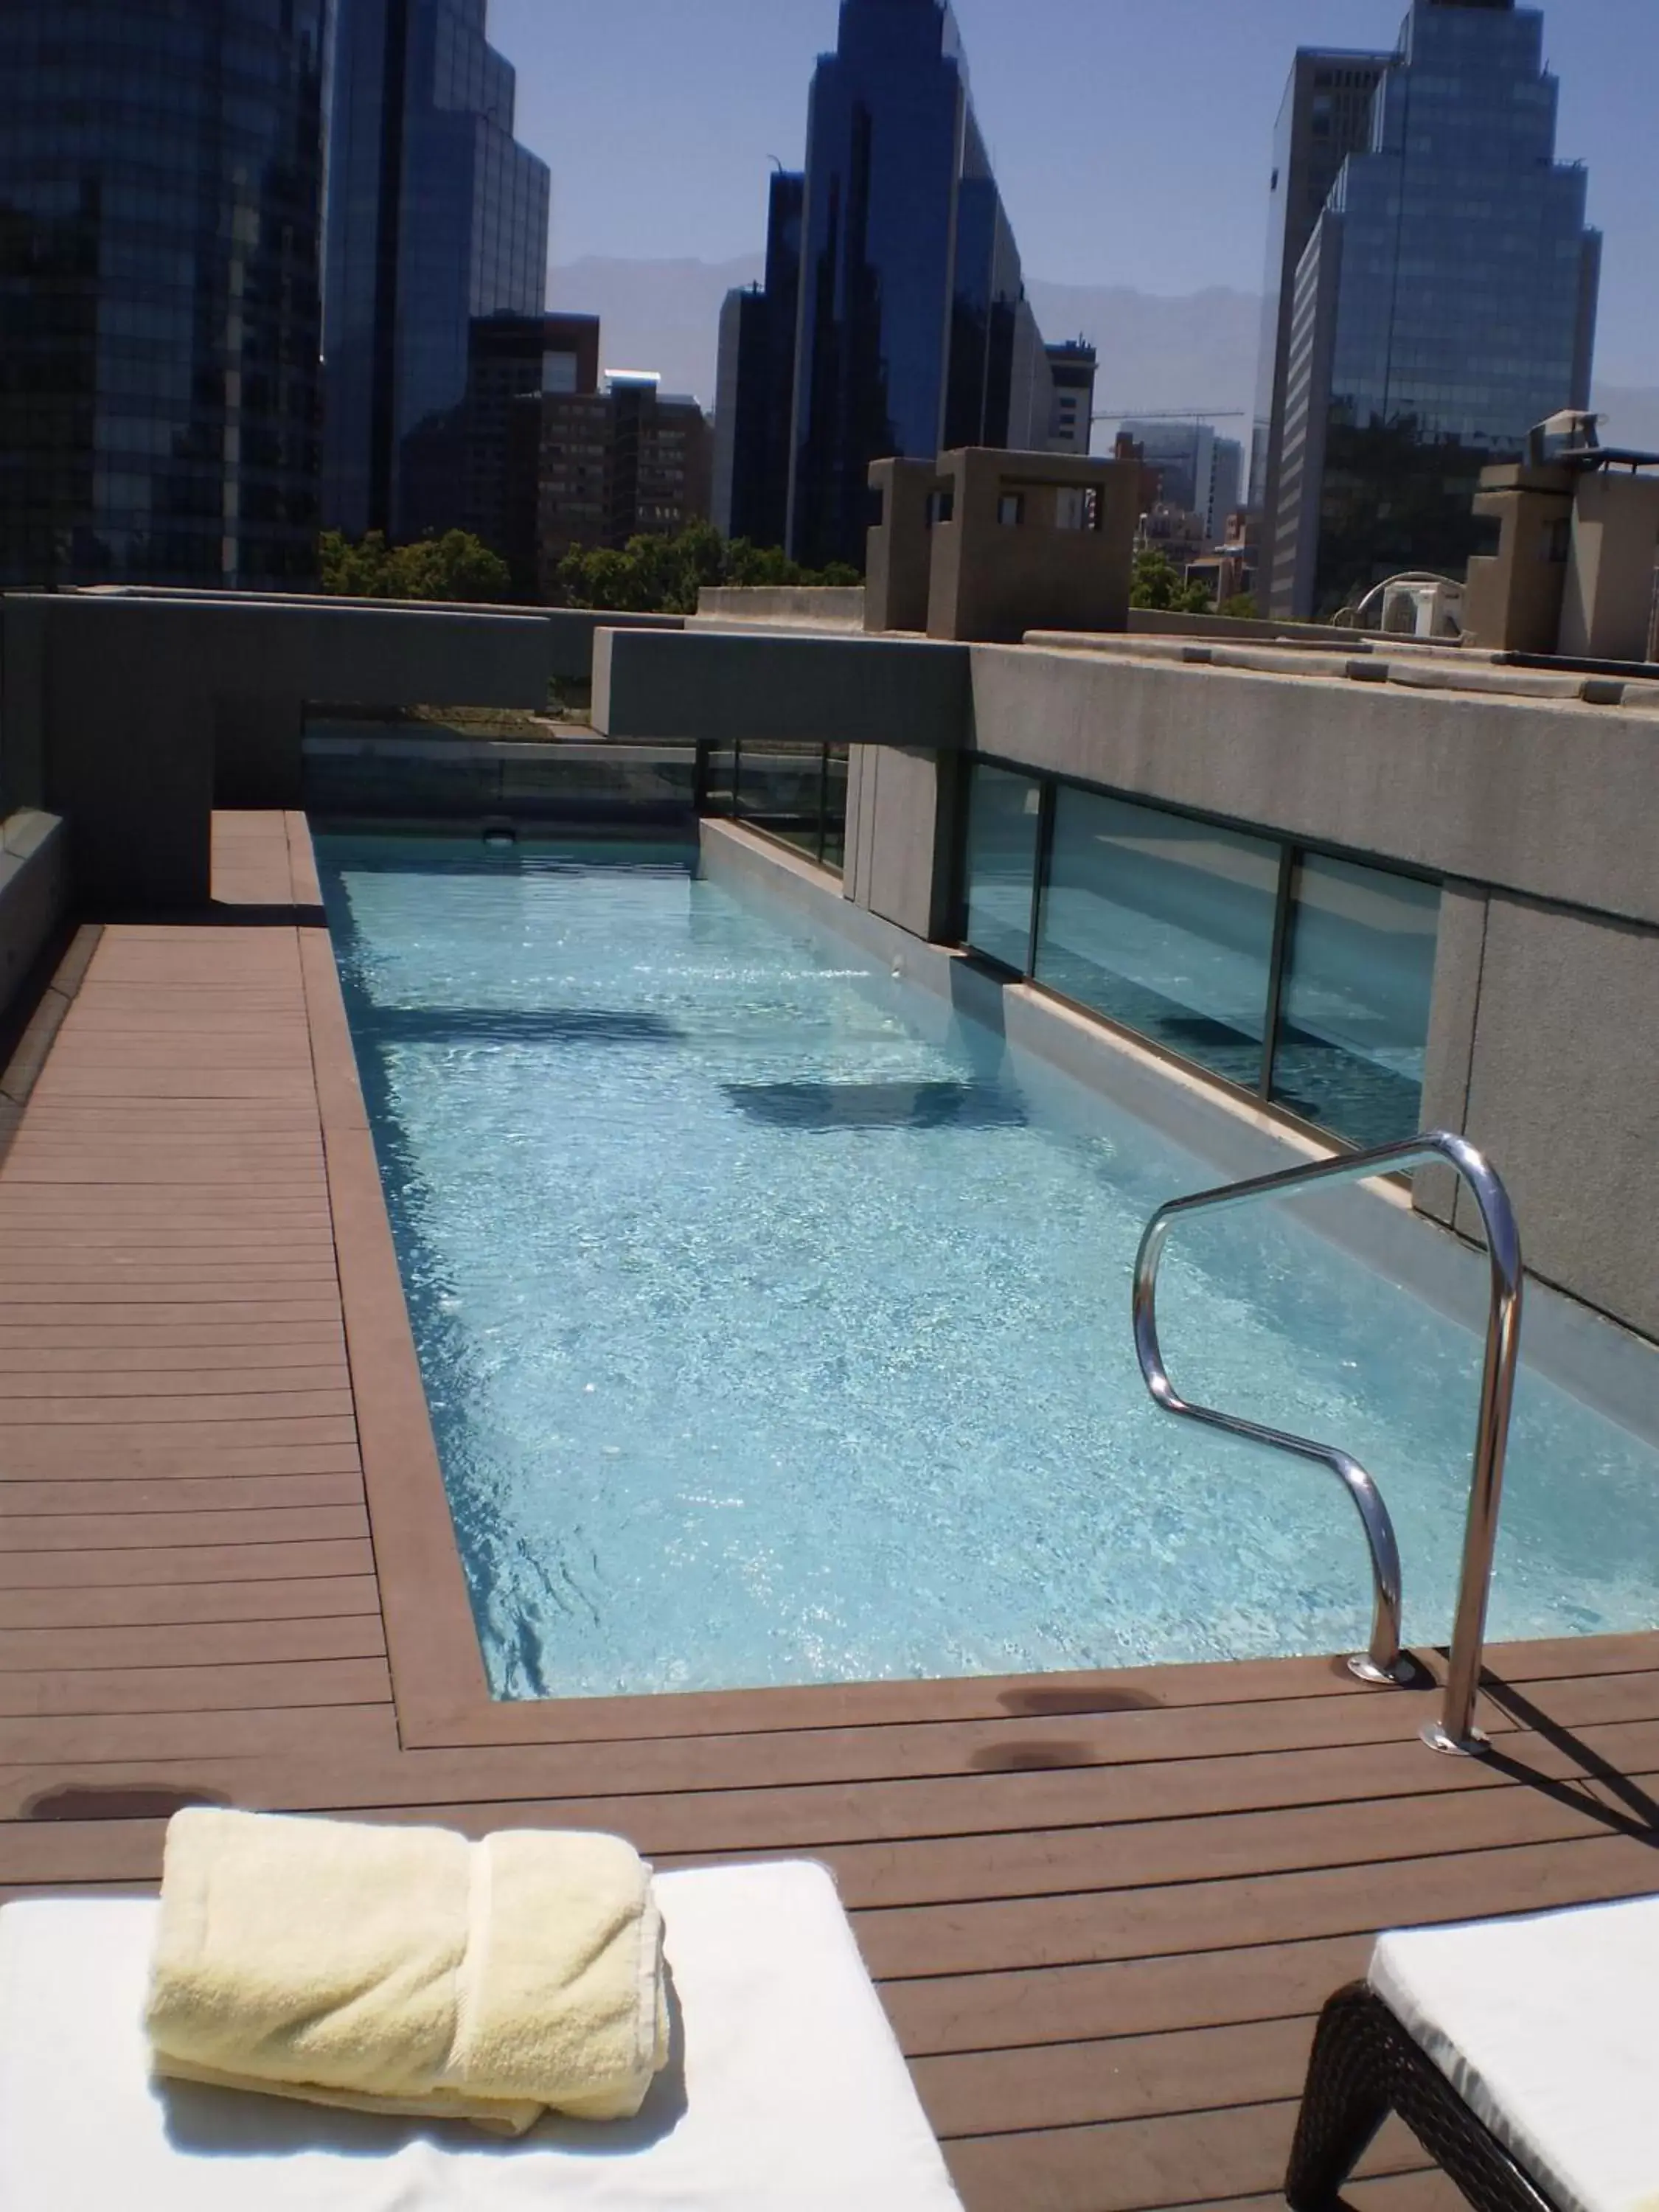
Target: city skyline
[(1066, 143)]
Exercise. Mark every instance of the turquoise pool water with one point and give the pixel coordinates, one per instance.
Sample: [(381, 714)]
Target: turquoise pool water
[(775, 1322)]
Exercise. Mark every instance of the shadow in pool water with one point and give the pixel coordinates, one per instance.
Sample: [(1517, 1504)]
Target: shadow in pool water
[(506, 1025), (888, 1105)]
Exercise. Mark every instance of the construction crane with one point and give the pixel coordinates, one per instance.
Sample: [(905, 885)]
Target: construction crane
[(1170, 415)]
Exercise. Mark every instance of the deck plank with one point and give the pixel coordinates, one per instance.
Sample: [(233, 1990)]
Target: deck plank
[(1102, 1910)]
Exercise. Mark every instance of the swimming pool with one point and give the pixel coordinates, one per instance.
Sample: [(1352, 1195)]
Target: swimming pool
[(775, 1323)]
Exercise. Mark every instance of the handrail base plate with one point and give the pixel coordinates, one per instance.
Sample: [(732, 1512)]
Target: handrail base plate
[(1437, 1737), (1397, 1675)]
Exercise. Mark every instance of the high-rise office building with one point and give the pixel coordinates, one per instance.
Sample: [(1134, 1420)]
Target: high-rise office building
[(756, 388), (1444, 303), (436, 218), (1072, 367), (601, 467), (1198, 472), (1326, 115), (159, 180), (913, 331)]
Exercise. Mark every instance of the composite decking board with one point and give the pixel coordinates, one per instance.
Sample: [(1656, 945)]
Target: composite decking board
[(191, 1643), (1104, 1908), (205, 1563), (214, 1493), (91, 1385), (166, 1605)]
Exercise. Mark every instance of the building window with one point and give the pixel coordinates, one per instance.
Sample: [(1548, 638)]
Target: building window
[(1300, 977), (1353, 1021), (1010, 509), (1004, 819), (1163, 924)]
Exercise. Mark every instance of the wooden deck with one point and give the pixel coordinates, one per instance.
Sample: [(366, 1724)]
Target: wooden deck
[(1102, 1910)]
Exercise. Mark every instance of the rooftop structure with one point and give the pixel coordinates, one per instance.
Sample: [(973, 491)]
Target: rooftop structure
[(1102, 1907)]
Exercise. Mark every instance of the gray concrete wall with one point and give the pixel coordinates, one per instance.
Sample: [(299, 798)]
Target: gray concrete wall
[(796, 606), (131, 715), (1552, 798), (33, 894), (715, 685), (900, 855)]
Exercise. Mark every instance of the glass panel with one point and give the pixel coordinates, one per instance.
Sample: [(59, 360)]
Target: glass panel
[(1164, 925), (1004, 817), (720, 791), (1354, 1011), (780, 789)]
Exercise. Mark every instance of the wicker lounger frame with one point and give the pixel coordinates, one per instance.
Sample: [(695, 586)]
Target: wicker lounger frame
[(1364, 2067)]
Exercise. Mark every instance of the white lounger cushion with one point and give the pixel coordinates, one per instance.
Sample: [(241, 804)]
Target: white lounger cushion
[(1548, 2029), (786, 2089)]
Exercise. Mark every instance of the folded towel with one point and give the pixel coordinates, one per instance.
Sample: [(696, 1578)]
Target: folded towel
[(405, 1970)]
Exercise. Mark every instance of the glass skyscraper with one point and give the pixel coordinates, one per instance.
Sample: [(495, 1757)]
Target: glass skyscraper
[(160, 214), (1444, 303), (756, 387), (915, 334), (1325, 116), (436, 216)]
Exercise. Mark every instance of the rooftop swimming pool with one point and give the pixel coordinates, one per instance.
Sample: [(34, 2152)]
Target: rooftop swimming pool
[(775, 1320)]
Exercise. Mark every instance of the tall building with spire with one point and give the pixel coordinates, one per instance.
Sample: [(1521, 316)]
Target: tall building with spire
[(894, 298), (437, 219), (1445, 302)]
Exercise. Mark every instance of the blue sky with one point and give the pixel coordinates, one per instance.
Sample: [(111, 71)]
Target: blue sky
[(1131, 138)]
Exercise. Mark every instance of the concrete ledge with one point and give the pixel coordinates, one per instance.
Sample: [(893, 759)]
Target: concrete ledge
[(34, 893), (800, 606), (1569, 1343), (714, 686)]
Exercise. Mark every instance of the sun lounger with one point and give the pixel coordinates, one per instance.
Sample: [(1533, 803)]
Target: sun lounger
[(1519, 2052), (786, 2090)]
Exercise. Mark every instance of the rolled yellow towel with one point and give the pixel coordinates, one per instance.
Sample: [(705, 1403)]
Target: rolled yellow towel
[(409, 1970)]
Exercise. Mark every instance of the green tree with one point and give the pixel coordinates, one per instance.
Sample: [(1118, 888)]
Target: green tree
[(1242, 606), (663, 575), (1157, 583), (457, 566)]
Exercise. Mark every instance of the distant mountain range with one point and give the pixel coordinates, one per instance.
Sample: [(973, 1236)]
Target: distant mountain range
[(1190, 352)]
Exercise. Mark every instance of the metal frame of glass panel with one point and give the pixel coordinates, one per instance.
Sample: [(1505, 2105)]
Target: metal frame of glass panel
[(818, 830), (1266, 1089)]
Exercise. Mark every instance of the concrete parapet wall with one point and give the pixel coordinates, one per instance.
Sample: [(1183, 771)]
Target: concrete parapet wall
[(712, 686), (795, 606), (33, 894), (1550, 798)]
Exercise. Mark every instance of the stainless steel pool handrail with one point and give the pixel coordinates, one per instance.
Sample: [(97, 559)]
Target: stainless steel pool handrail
[(1454, 1731)]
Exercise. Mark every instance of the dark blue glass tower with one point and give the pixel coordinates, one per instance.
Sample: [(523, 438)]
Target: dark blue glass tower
[(159, 217), (757, 382), (911, 322), (1445, 302), (435, 216)]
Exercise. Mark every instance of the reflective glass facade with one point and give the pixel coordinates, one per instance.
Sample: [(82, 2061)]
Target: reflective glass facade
[(1325, 116), (1302, 977), (757, 382), (1445, 304), (913, 333), (436, 216), (159, 182)]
